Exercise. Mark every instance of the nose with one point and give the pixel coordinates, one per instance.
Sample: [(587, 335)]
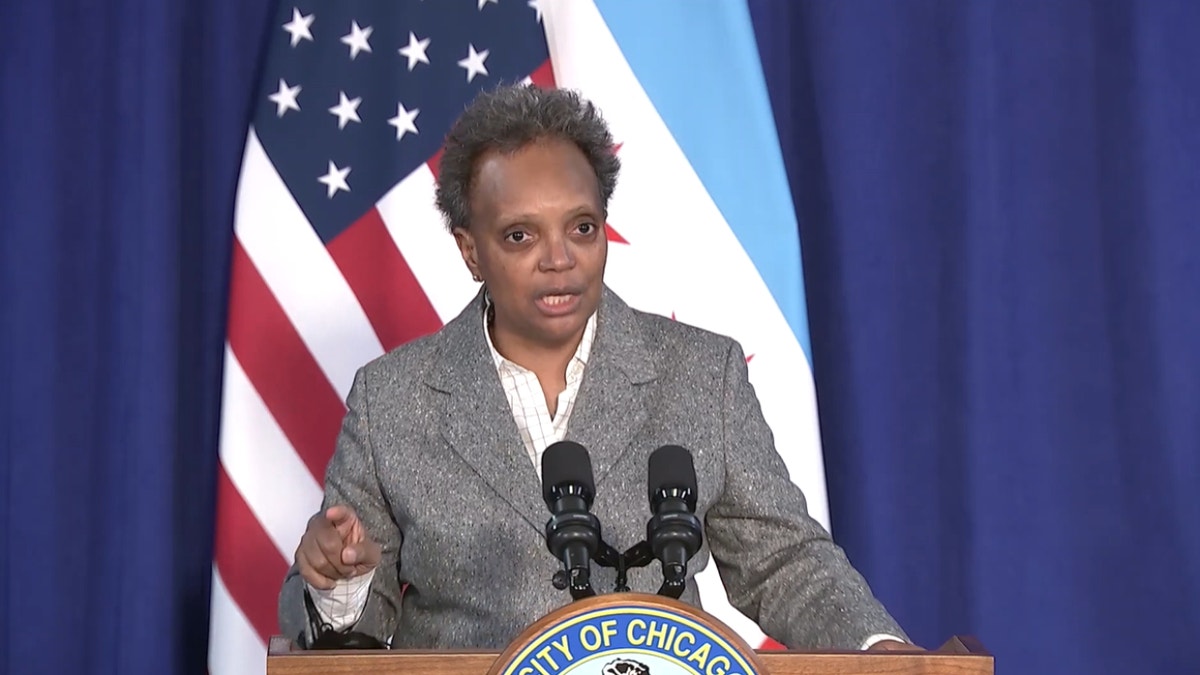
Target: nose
[(556, 254)]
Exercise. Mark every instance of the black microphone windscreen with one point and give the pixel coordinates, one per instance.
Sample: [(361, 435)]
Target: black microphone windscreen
[(671, 466), (566, 462)]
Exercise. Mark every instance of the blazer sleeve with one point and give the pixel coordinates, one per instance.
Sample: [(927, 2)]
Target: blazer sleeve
[(352, 478), (780, 567)]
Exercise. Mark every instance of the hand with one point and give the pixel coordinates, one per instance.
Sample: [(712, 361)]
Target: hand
[(335, 546), (893, 646)]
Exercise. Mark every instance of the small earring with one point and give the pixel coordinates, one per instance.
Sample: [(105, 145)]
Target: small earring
[(476, 277)]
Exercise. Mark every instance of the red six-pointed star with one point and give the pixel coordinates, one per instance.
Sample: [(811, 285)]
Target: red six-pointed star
[(612, 235)]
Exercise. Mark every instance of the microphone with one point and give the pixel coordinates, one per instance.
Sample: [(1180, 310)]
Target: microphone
[(573, 532), (674, 532)]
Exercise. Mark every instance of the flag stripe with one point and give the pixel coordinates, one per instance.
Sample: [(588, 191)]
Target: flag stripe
[(294, 262), (280, 366), (383, 282), (707, 280), (253, 448), (417, 227), (435, 162), (743, 171), (234, 647), (543, 76), (247, 560)]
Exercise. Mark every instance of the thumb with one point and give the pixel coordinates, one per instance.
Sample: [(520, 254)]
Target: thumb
[(365, 553)]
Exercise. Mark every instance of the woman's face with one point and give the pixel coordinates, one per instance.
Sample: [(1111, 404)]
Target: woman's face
[(537, 239)]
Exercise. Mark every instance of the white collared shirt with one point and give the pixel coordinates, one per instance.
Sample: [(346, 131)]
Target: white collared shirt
[(528, 403)]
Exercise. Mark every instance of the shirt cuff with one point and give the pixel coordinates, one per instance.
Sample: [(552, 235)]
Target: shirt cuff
[(342, 606), (880, 637)]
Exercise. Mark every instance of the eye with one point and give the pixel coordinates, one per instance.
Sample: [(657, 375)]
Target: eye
[(586, 228), (515, 237)]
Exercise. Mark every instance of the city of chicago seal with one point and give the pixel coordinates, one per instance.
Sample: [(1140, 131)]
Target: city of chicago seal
[(629, 638)]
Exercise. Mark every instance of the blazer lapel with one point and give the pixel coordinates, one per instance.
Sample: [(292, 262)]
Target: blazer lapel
[(477, 421), (611, 406)]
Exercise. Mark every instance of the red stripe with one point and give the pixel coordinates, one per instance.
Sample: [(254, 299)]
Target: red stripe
[(250, 565), (389, 293), (771, 645), (435, 163), (280, 367), (544, 75)]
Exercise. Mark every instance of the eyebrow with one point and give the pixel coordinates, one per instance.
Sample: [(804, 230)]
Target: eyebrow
[(583, 209)]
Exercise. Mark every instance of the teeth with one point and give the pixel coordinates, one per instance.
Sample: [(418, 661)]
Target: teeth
[(555, 299)]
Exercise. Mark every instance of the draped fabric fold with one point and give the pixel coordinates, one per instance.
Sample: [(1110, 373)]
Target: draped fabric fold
[(997, 204), (121, 130)]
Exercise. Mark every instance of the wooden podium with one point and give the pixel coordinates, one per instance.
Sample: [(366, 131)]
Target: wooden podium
[(637, 620)]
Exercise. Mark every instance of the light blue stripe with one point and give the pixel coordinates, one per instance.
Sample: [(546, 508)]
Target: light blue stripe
[(698, 62)]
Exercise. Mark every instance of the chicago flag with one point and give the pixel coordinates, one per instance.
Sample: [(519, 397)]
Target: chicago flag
[(339, 254)]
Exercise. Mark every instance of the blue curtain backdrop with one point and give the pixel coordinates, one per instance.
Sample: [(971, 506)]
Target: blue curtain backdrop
[(121, 128), (999, 211), (999, 205)]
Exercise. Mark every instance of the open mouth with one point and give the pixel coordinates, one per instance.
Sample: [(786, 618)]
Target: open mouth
[(556, 300), (558, 304)]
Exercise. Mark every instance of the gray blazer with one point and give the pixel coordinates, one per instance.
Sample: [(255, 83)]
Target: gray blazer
[(431, 459)]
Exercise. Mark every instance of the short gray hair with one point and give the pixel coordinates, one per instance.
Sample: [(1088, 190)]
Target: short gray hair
[(509, 118)]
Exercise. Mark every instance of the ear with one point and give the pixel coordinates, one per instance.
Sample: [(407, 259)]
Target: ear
[(466, 247)]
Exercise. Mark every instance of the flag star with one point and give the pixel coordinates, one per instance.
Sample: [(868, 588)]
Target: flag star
[(404, 121), (298, 27), (415, 51), (536, 5), (356, 39), (474, 62), (484, 2), (285, 98), (335, 179), (346, 110)]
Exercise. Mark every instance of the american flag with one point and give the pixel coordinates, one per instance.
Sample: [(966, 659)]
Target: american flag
[(340, 255), (336, 240)]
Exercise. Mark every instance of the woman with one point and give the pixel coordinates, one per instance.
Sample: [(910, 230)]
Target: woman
[(434, 489)]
